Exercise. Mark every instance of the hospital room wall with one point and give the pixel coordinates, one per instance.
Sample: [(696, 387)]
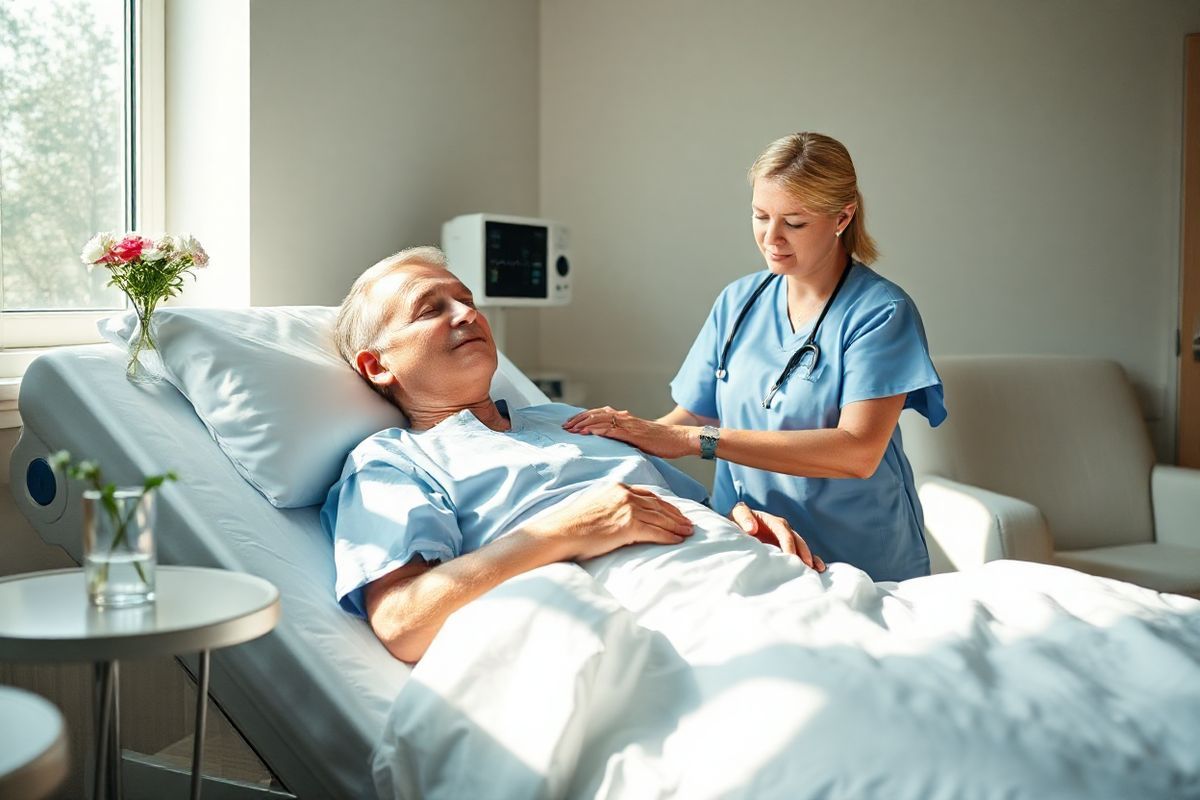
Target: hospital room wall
[(375, 121), (1020, 163)]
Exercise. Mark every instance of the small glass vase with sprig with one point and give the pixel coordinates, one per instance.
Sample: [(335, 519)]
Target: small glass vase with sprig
[(118, 534)]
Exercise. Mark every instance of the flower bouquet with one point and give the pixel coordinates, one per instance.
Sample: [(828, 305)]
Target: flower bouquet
[(148, 271)]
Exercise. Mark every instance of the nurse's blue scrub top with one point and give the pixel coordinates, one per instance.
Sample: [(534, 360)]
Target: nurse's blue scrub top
[(872, 345)]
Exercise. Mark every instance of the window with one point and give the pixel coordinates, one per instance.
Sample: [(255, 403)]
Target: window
[(72, 124)]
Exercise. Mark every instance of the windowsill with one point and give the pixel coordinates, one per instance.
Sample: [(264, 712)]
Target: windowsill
[(9, 416)]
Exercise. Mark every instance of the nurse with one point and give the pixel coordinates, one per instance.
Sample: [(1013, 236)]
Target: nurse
[(796, 382)]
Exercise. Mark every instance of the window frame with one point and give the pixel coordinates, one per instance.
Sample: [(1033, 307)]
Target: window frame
[(25, 333)]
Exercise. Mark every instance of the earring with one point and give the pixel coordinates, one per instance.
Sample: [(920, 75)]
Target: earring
[(837, 233)]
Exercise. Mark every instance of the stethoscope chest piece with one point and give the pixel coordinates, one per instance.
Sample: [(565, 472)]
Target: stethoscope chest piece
[(809, 348)]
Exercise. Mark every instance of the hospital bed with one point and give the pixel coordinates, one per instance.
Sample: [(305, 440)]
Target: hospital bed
[(646, 668), (311, 697)]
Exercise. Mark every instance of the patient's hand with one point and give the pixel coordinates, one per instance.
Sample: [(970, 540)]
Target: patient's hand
[(603, 519), (775, 531), (409, 606)]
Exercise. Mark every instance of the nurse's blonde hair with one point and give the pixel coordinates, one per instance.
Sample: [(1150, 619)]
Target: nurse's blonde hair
[(816, 170)]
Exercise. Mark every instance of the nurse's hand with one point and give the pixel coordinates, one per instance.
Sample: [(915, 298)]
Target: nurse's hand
[(775, 531), (664, 441)]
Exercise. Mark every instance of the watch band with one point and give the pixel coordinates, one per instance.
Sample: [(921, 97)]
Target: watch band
[(708, 442)]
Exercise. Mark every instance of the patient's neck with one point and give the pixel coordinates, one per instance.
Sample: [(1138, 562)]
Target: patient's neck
[(422, 418)]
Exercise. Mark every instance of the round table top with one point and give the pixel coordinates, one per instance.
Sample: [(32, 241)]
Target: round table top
[(47, 616), (33, 745)]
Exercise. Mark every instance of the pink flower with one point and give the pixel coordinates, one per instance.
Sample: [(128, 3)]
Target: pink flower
[(128, 249)]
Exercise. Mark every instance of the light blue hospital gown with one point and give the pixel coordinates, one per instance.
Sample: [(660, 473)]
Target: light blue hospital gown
[(872, 345), (450, 490)]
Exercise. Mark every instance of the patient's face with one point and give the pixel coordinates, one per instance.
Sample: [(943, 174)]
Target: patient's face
[(435, 344)]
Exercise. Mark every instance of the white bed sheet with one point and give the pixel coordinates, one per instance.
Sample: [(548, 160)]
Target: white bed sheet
[(312, 696), (721, 668)]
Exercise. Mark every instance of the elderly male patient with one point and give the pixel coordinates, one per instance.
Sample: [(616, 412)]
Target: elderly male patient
[(425, 520)]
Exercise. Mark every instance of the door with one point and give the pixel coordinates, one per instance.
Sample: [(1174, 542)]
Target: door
[(1189, 311)]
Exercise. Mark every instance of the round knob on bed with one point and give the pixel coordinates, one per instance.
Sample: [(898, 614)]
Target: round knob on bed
[(40, 482)]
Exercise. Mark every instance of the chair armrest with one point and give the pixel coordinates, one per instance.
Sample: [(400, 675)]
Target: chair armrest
[(967, 526), (1175, 494)]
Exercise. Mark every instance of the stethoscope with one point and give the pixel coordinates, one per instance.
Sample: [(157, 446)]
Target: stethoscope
[(809, 348)]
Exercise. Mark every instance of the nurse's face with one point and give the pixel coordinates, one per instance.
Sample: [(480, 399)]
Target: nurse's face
[(795, 242), (436, 350)]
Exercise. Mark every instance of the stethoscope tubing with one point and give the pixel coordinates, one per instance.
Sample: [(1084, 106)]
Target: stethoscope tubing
[(809, 345)]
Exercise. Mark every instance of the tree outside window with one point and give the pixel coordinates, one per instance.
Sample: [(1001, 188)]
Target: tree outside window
[(63, 68)]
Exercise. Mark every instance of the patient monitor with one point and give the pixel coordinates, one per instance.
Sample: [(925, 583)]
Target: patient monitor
[(509, 261)]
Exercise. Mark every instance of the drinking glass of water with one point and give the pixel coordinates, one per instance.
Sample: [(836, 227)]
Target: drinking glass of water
[(118, 546)]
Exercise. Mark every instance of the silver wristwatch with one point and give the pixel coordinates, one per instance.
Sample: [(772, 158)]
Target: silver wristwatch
[(708, 442)]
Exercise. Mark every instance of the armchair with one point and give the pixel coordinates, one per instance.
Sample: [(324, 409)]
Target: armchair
[(1047, 459)]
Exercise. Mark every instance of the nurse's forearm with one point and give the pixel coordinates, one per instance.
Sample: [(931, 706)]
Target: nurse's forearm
[(829, 453), (851, 450), (407, 610)]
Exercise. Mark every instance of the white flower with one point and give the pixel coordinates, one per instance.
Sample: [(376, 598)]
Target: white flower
[(190, 245), (97, 248), (167, 243), (157, 250)]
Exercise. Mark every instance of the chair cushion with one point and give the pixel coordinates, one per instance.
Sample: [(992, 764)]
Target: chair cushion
[(1064, 434), (1162, 567)]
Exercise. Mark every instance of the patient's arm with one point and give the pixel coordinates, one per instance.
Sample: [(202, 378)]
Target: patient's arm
[(407, 607)]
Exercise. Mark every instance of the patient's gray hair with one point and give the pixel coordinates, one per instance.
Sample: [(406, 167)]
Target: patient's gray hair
[(361, 317)]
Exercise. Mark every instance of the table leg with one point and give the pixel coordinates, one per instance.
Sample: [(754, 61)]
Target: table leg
[(201, 724), (115, 791), (102, 709)]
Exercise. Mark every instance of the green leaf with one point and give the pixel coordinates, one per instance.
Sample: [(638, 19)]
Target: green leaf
[(110, 503)]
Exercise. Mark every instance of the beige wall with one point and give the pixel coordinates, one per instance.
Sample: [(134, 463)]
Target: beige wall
[(374, 122), (1020, 162), (306, 140), (207, 141)]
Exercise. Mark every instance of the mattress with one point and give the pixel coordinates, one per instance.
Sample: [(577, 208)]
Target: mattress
[(312, 696)]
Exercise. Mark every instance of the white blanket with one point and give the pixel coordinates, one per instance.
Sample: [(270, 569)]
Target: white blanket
[(723, 668)]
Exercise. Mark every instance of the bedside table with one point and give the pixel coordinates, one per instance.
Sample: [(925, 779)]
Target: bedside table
[(33, 746), (46, 616)]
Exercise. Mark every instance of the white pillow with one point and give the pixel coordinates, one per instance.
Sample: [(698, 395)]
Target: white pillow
[(275, 395)]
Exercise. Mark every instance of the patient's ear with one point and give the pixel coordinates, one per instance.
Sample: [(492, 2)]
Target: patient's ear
[(371, 368)]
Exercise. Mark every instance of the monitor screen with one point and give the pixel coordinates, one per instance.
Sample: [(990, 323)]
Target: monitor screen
[(515, 260)]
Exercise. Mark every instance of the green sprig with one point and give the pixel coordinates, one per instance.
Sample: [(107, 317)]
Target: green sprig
[(89, 472)]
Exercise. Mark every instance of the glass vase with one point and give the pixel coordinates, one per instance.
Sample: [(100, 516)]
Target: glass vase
[(118, 547), (145, 363)]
